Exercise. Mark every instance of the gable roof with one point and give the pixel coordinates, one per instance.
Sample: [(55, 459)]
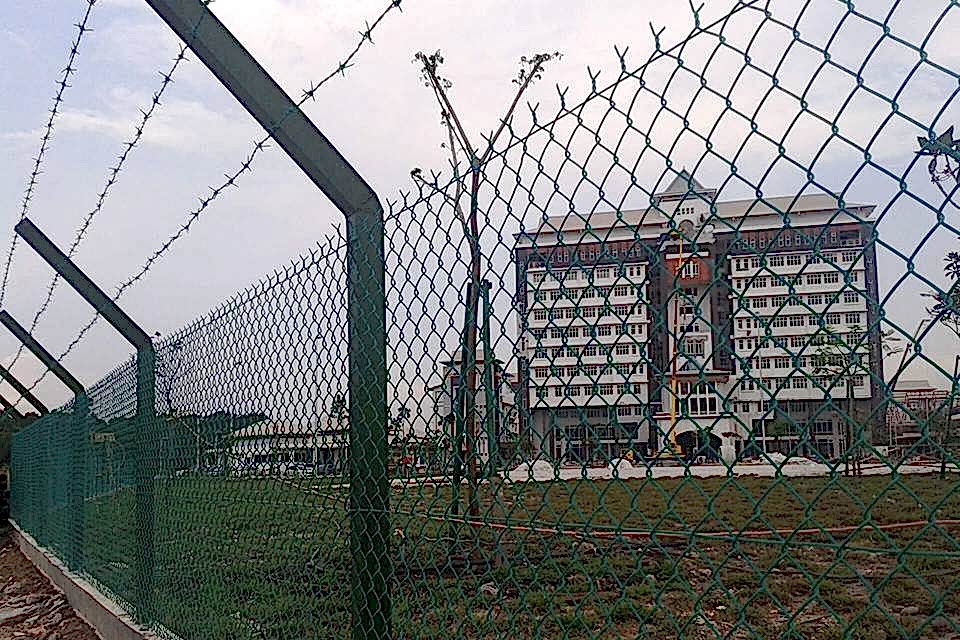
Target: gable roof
[(683, 184)]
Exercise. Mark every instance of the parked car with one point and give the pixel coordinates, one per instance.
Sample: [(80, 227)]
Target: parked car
[(298, 469)]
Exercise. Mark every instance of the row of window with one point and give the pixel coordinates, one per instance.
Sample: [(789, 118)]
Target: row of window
[(795, 260), (795, 280), (799, 362), (851, 338), (593, 370), (588, 273), (851, 318), (797, 382), (588, 293), (588, 390), (761, 239), (593, 331), (810, 300), (582, 313), (589, 351)]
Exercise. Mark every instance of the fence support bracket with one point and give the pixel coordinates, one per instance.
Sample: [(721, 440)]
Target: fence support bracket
[(296, 134), (145, 451)]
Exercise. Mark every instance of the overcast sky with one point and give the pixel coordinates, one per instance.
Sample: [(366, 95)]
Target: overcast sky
[(385, 123)]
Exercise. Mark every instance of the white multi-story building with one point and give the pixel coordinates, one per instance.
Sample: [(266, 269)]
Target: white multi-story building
[(736, 324)]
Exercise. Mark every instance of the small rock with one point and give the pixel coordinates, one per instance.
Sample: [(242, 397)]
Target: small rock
[(587, 549), (652, 579), (489, 589), (700, 621), (721, 607), (910, 611)]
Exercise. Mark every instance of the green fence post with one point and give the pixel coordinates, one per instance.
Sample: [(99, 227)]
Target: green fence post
[(79, 426), (299, 137), (146, 460), (77, 433), (145, 452)]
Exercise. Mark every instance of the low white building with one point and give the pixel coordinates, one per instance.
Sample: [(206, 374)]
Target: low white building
[(271, 447)]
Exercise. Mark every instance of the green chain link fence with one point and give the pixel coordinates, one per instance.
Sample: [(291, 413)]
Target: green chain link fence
[(651, 396)]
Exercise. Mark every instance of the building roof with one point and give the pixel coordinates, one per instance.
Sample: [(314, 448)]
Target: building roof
[(682, 185), (747, 213), (270, 428)]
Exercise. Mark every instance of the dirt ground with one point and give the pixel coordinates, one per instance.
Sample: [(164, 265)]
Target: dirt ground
[(30, 607)]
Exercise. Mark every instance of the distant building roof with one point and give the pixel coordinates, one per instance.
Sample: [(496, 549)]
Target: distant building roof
[(271, 428)]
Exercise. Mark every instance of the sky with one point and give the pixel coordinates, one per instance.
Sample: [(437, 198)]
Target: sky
[(385, 122)]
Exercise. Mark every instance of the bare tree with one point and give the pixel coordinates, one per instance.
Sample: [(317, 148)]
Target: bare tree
[(458, 144)]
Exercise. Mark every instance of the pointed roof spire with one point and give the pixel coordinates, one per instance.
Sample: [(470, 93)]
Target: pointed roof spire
[(684, 185)]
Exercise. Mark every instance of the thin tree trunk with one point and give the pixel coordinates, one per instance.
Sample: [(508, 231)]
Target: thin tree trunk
[(470, 343)]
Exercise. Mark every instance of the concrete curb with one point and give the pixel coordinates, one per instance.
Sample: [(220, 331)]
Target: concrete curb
[(106, 618)]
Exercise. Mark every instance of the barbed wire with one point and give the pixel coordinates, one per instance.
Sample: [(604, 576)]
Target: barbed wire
[(308, 94), (62, 86), (113, 174)]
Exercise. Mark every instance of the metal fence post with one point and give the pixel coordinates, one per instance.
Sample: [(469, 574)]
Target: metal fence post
[(146, 459), (145, 452), (81, 414), (297, 135)]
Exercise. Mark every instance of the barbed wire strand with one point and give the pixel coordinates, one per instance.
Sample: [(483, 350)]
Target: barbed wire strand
[(309, 94), (114, 172), (62, 86)]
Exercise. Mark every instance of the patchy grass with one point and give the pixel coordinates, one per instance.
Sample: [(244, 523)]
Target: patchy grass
[(269, 559)]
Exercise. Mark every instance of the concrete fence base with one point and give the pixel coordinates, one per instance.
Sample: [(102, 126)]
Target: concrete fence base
[(106, 618)]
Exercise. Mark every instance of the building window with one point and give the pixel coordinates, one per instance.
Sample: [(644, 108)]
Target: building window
[(833, 318), (776, 261), (606, 389), (621, 290), (759, 303), (694, 347), (794, 261), (604, 330), (540, 315), (779, 321), (799, 382), (781, 362), (557, 392), (690, 271), (695, 399), (850, 297), (556, 333), (589, 351), (765, 363), (779, 301), (539, 333), (815, 299), (604, 272), (831, 278), (854, 276), (848, 256), (540, 372), (796, 321), (853, 318), (589, 312), (572, 332)]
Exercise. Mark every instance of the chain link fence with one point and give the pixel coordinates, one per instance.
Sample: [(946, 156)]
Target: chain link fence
[(646, 375)]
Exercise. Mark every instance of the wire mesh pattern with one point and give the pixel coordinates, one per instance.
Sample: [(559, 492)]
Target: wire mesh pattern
[(682, 417)]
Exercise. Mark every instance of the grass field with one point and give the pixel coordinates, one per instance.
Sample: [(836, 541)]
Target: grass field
[(269, 559)]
